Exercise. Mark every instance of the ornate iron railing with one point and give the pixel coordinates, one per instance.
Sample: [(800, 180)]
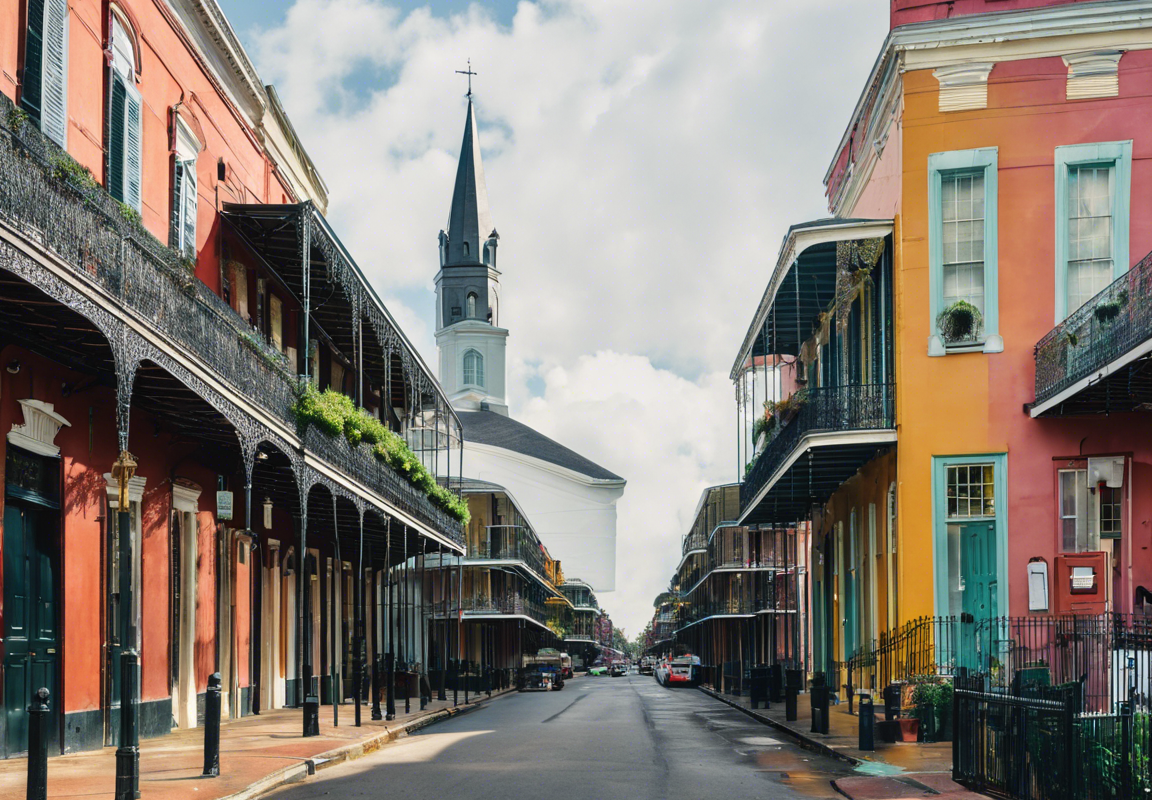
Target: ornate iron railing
[(834, 408), (511, 603), (510, 543), (1109, 325), (49, 202), (696, 540)]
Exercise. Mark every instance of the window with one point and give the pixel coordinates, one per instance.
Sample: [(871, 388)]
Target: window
[(183, 229), (1092, 196), (44, 82), (473, 368), (962, 245), (471, 305), (962, 213), (124, 121), (971, 491), (1088, 509)]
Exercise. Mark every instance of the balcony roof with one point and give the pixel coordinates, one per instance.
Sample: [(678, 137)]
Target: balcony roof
[(804, 279)]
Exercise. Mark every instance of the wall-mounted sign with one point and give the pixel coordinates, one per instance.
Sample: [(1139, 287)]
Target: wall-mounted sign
[(1083, 579), (223, 505)]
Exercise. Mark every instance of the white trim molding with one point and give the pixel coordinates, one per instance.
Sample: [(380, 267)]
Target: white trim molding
[(186, 499), (135, 489), (964, 87), (37, 433), (1093, 74)]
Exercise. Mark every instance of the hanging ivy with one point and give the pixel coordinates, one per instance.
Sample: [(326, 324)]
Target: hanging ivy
[(333, 414)]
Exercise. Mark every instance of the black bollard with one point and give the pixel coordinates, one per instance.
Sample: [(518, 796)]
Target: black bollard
[(311, 715), (212, 727), (819, 703), (867, 723), (455, 681), (38, 746), (467, 675), (390, 686), (128, 754), (792, 680)]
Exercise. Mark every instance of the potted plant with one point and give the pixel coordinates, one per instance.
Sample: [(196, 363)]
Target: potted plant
[(925, 700), (959, 322)]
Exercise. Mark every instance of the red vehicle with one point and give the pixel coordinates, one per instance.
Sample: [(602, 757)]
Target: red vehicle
[(682, 671)]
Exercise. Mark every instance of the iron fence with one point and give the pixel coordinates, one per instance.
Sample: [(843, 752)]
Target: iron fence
[(832, 408), (44, 197), (926, 646), (1110, 324)]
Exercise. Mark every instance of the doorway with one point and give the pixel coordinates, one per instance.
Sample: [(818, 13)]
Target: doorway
[(31, 593)]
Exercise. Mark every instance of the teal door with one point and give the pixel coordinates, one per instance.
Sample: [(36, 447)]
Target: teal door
[(978, 580), (31, 660)]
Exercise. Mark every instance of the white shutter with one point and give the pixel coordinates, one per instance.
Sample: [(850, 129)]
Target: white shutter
[(54, 72), (188, 223), (133, 137)]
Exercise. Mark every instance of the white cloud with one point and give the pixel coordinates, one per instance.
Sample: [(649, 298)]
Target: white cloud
[(643, 160)]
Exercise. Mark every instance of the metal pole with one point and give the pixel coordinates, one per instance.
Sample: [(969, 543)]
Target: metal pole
[(358, 626), (128, 753), (37, 788), (405, 612), (212, 727), (442, 693)]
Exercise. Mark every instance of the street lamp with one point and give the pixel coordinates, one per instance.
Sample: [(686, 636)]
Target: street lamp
[(128, 753)]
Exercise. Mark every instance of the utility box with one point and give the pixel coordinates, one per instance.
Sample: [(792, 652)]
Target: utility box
[(1081, 583)]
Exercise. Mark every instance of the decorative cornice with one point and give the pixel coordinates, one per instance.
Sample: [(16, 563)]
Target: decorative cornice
[(186, 498), (1093, 74), (135, 489), (964, 87), (37, 433)]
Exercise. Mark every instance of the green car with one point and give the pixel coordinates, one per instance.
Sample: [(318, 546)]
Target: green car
[(598, 671)]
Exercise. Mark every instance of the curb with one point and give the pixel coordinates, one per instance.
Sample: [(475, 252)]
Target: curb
[(298, 772), (807, 743)]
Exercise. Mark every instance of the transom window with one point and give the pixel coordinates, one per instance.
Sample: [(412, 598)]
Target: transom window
[(1089, 511), (1090, 257), (473, 368), (971, 491), (962, 218)]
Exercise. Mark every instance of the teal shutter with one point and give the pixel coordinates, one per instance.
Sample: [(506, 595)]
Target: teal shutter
[(177, 204), (30, 93), (133, 160), (189, 226), (54, 72), (116, 138)]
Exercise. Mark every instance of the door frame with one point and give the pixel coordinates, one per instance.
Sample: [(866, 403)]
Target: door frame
[(999, 462)]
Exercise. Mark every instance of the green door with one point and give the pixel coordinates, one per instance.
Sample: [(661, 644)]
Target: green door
[(979, 582), (31, 659)]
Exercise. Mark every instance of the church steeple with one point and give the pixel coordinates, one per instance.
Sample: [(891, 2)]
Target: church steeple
[(469, 223), (468, 333)]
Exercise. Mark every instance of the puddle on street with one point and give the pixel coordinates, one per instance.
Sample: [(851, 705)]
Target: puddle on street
[(877, 769), (807, 774)]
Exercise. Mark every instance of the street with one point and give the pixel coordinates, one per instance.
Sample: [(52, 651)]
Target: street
[(598, 737)]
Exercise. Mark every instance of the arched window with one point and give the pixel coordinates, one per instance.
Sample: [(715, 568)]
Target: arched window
[(473, 368), (472, 305), (124, 120)]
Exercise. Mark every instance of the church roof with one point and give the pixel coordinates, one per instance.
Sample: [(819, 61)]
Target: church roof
[(497, 430), (469, 221)]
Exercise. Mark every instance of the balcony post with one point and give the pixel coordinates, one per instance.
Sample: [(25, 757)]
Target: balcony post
[(304, 232), (358, 625)]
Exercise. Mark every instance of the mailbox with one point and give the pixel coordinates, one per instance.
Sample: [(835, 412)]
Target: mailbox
[(1038, 585), (1081, 583)]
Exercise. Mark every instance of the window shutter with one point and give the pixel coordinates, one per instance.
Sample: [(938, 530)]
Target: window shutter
[(132, 149), (177, 203), (54, 84), (189, 209), (116, 138), (30, 92)]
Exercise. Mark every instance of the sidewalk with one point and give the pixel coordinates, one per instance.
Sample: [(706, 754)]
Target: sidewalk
[(897, 770), (257, 754)]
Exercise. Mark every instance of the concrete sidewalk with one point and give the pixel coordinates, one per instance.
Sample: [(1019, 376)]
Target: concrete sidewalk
[(257, 754), (897, 770)]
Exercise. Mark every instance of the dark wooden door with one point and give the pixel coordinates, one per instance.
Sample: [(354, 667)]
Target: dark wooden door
[(31, 640)]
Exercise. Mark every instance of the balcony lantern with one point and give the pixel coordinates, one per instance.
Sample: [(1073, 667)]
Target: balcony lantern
[(268, 513)]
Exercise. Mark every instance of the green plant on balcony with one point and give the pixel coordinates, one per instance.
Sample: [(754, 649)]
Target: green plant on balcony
[(791, 405), (67, 169), (333, 414), (959, 322), (763, 424), (17, 118), (1109, 310)]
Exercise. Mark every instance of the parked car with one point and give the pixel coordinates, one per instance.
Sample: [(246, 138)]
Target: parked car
[(682, 671), (616, 671), (598, 671), (646, 668), (541, 672)]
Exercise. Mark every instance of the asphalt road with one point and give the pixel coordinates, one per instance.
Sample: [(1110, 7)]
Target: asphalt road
[(597, 738)]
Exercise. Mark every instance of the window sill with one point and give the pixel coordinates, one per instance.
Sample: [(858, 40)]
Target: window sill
[(936, 346)]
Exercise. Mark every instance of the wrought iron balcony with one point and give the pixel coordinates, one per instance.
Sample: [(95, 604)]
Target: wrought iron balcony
[(48, 201), (511, 603), (1082, 365), (510, 543), (835, 409)]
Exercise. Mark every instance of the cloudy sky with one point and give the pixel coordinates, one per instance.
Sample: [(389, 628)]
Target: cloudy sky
[(643, 158)]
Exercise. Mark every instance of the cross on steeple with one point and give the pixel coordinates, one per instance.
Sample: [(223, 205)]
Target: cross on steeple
[(469, 73)]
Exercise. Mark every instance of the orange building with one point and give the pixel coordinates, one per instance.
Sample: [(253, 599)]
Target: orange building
[(161, 237)]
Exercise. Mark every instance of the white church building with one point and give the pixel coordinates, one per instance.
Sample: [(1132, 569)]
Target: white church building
[(570, 499)]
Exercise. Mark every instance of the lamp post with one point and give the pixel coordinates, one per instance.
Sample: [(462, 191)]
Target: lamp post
[(128, 753)]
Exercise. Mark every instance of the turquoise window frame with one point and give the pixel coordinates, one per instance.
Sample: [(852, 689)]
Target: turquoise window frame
[(984, 159), (1119, 156), (940, 464)]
